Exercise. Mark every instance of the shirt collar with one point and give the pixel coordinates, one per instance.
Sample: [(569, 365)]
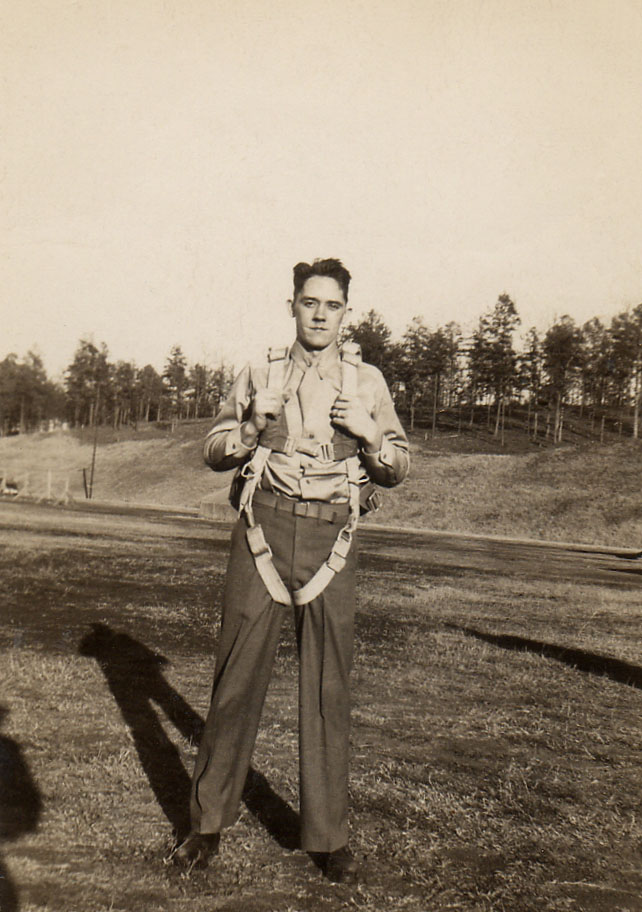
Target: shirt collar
[(328, 364)]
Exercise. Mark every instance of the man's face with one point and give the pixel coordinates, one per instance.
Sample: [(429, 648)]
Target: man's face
[(318, 310)]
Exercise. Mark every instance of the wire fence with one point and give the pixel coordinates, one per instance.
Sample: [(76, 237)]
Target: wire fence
[(35, 484)]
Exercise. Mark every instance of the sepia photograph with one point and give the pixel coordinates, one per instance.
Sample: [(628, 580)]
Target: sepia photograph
[(321, 456)]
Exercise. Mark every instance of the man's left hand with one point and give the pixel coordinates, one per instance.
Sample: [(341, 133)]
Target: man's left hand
[(349, 413)]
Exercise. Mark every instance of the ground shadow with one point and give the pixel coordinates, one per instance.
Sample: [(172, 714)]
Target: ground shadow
[(276, 815), (134, 675), (589, 662), (20, 807)]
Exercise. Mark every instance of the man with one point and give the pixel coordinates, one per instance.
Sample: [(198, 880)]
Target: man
[(310, 432)]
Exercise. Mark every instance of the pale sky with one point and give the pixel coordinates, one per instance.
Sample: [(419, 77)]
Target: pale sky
[(164, 163)]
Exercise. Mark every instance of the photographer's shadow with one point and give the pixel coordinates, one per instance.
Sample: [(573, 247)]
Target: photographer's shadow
[(20, 807), (134, 675)]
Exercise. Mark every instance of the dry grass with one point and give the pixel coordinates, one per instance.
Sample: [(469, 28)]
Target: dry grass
[(491, 771), (589, 495)]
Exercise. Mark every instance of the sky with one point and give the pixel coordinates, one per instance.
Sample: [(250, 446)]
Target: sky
[(165, 163)]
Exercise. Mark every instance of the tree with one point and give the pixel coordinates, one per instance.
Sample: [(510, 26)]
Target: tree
[(626, 340), (125, 393), (175, 375), (27, 396), (199, 382), (636, 329), (373, 336), (562, 348), (440, 359), (220, 383), (493, 360), (86, 379), (530, 368), (597, 362), (412, 364), (8, 393), (149, 392)]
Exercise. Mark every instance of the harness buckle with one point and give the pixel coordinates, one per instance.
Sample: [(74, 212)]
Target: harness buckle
[(257, 542), (326, 452), (300, 508), (343, 543)]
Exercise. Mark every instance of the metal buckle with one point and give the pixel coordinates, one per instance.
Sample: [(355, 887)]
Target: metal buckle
[(326, 452), (300, 508), (257, 542)]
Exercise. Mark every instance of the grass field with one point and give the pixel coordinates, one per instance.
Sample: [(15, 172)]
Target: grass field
[(486, 776)]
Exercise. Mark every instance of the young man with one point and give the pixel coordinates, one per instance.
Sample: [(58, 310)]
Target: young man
[(308, 430)]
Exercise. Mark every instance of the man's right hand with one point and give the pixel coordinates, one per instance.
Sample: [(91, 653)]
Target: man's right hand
[(267, 404)]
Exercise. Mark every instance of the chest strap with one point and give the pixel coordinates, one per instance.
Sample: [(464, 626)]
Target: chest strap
[(339, 448)]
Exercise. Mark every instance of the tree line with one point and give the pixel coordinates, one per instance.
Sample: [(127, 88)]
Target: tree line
[(96, 391), (595, 367)]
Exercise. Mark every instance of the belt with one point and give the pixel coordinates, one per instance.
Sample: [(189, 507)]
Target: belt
[(312, 509)]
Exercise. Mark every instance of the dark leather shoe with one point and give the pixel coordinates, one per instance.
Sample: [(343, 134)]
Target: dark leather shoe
[(197, 850), (341, 866)]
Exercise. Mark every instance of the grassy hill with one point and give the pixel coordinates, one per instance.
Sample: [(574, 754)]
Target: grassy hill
[(462, 480)]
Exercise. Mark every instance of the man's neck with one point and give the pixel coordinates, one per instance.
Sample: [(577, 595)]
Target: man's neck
[(316, 354)]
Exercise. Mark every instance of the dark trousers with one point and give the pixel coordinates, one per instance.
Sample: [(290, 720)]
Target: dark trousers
[(248, 641)]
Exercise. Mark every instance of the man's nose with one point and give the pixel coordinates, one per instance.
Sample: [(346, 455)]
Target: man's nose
[(319, 312)]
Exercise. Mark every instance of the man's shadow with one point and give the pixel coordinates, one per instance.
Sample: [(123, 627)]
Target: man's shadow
[(20, 807), (580, 659), (134, 675)]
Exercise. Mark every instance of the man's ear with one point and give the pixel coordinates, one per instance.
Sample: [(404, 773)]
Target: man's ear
[(290, 306)]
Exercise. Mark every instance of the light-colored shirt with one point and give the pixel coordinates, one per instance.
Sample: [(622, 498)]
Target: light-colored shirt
[(310, 388)]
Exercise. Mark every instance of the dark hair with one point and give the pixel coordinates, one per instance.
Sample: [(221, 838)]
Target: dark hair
[(333, 269)]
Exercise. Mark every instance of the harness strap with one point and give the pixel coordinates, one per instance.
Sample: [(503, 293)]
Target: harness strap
[(262, 554), (350, 361), (334, 451), (253, 471), (336, 560), (277, 361)]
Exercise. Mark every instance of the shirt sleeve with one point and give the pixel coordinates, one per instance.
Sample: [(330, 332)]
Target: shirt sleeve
[(224, 448), (389, 465)]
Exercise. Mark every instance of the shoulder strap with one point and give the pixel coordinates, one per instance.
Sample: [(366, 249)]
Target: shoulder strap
[(277, 362), (350, 361)]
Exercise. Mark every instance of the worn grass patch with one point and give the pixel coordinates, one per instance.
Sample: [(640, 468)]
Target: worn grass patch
[(496, 738)]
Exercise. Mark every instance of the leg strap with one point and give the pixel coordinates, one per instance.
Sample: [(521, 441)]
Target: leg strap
[(339, 554), (263, 553)]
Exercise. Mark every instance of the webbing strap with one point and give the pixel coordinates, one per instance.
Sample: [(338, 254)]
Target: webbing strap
[(252, 472), (350, 360), (262, 554), (341, 548), (334, 451), (277, 361), (261, 551)]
